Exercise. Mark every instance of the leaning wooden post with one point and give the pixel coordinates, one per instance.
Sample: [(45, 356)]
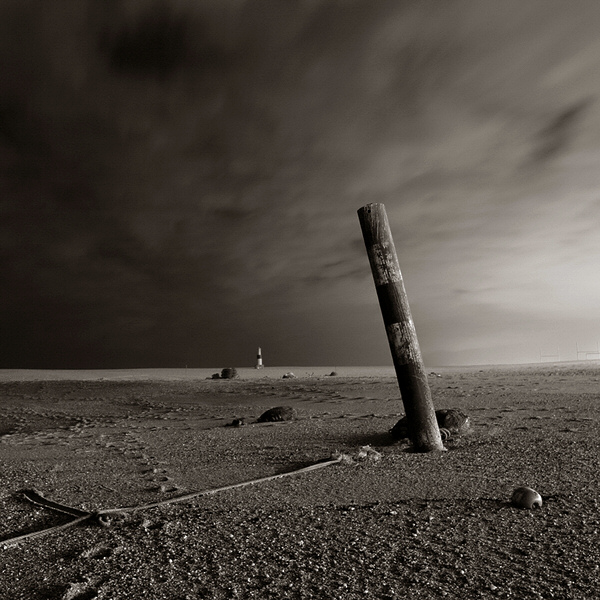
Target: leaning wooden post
[(408, 363)]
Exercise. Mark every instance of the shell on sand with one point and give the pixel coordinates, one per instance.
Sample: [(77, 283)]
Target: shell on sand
[(278, 413), (455, 421), (526, 497)]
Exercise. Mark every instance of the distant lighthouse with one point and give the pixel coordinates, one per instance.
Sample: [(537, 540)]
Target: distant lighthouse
[(259, 364)]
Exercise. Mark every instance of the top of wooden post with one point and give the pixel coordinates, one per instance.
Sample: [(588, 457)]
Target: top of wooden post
[(379, 243)]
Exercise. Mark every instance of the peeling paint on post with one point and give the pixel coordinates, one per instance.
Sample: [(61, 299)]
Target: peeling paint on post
[(402, 336)]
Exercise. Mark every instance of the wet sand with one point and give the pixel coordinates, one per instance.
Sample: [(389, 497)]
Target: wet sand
[(397, 525)]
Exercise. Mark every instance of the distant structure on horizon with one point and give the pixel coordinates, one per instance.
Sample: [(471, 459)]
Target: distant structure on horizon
[(587, 353), (259, 364)]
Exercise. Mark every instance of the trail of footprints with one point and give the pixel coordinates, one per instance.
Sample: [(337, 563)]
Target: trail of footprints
[(135, 450), (28, 426), (34, 427)]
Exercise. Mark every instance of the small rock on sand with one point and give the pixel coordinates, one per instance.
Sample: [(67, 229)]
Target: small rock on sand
[(278, 413)]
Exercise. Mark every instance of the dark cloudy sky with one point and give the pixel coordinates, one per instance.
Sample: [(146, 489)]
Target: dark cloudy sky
[(180, 179)]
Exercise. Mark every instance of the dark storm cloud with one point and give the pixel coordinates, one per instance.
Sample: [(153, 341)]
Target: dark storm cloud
[(156, 45), (180, 179)]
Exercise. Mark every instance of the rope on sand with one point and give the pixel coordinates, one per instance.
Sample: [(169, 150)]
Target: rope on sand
[(185, 497), (100, 516)]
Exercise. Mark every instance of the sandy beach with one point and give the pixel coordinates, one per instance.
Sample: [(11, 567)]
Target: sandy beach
[(391, 525)]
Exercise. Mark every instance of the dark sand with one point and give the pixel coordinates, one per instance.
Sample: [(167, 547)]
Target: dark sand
[(407, 525)]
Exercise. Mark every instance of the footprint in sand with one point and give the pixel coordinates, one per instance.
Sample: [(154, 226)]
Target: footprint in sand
[(99, 551), (134, 449), (79, 591)]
